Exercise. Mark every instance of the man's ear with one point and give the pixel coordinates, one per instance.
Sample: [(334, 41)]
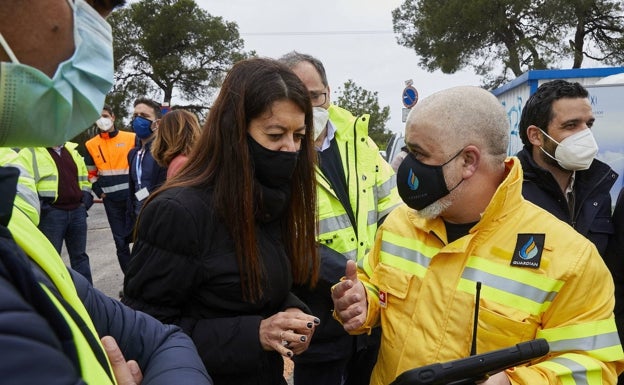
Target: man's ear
[(471, 157), (535, 136)]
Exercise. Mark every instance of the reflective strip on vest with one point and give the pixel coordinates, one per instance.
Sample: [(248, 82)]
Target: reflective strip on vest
[(333, 224), (113, 172), (117, 187), (384, 191), (46, 187)]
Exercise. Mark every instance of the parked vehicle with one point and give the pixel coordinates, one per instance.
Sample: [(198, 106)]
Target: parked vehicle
[(397, 140)]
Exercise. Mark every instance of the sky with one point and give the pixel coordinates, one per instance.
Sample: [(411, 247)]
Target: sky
[(353, 39)]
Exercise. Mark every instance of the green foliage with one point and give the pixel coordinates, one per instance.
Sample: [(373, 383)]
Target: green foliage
[(167, 48), (360, 101), (501, 39)]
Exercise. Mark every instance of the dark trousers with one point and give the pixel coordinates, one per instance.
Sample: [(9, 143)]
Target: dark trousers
[(116, 212), (355, 370), (69, 226)]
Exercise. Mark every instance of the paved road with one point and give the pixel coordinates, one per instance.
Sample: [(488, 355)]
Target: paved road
[(107, 275)]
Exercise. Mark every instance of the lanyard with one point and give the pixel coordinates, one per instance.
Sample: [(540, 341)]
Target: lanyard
[(139, 166)]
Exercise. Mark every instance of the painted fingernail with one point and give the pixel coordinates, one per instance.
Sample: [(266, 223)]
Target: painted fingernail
[(303, 338), (317, 321), (309, 325), (289, 354)]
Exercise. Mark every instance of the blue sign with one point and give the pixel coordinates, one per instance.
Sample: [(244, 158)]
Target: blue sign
[(410, 97)]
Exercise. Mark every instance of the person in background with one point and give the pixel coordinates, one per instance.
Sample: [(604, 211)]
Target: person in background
[(561, 173), (55, 327), (220, 244), (64, 191), (145, 174), (177, 132), (356, 190), (468, 266), (107, 162)]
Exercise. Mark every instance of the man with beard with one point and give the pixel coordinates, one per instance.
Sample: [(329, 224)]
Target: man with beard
[(468, 266), (560, 172)]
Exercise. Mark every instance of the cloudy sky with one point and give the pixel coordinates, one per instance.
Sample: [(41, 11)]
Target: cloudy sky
[(353, 38)]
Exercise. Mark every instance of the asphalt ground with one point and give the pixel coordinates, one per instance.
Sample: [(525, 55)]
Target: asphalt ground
[(107, 275)]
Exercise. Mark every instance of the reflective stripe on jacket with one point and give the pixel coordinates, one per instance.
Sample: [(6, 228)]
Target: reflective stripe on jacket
[(45, 172), (428, 292), (109, 168), (93, 363), (371, 187)]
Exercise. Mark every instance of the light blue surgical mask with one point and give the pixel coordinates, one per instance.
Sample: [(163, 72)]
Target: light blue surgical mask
[(38, 111)]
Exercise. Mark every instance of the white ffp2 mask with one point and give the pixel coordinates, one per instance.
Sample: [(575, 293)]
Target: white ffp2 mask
[(321, 116), (576, 152)]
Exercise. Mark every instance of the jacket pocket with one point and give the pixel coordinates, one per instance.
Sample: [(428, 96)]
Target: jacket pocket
[(496, 330), (602, 225), (394, 284)]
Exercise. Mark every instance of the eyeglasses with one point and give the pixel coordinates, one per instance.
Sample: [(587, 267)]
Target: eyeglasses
[(318, 98)]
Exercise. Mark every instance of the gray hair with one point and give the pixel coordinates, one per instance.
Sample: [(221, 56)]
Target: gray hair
[(467, 114), (291, 59)]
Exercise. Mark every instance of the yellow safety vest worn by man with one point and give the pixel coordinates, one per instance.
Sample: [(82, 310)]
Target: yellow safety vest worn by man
[(46, 173), (371, 189), (60, 176), (422, 291), (356, 189)]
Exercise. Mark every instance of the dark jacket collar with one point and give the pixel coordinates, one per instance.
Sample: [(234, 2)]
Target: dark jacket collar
[(8, 189)]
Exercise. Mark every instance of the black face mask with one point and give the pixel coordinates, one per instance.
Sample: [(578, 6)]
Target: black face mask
[(272, 168), (421, 184)]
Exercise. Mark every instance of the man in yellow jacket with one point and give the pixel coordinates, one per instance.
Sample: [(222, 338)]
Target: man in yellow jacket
[(64, 191), (468, 266)]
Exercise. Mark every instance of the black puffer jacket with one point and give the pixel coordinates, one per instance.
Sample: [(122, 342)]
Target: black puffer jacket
[(592, 217), (183, 270)]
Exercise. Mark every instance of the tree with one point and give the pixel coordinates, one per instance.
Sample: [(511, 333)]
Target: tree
[(504, 38), (171, 48), (360, 101)]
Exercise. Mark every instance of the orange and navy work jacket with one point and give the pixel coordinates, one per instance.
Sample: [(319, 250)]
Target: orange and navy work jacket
[(107, 163)]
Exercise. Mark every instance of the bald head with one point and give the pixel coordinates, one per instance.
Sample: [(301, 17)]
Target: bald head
[(464, 115)]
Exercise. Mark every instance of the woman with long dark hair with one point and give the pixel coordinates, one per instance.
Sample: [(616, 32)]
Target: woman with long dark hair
[(219, 245)]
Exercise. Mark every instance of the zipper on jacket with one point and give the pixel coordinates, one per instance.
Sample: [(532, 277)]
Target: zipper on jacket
[(475, 322), (101, 153)]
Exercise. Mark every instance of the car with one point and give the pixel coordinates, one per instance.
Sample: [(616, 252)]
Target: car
[(396, 142)]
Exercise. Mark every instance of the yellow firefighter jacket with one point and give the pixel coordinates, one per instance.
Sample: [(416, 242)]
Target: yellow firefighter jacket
[(422, 291)]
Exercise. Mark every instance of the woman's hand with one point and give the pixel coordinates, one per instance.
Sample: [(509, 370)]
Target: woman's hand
[(288, 332)]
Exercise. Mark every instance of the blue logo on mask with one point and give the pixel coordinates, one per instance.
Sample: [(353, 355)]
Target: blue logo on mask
[(412, 180)]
